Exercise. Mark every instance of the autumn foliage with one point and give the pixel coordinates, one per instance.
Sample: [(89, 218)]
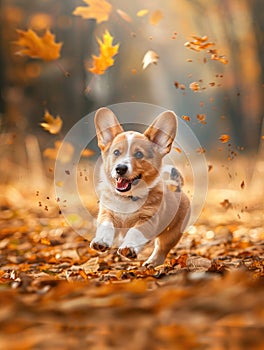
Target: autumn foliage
[(44, 47), (56, 292), (107, 51)]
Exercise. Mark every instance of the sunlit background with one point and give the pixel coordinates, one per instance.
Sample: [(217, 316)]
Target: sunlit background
[(225, 110)]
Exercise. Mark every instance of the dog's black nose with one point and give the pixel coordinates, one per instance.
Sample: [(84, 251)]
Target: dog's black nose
[(121, 169)]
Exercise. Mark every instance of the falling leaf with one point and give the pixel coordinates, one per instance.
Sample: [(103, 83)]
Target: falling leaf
[(142, 13), (210, 167), (201, 118), (34, 46), (177, 149), (242, 185), (216, 57), (194, 86), (149, 58), (96, 9), (155, 17), (179, 86), (186, 117), (51, 124), (124, 15), (201, 44), (105, 60), (224, 138)]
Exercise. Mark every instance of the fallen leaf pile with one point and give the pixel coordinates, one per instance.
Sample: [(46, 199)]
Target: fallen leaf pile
[(56, 292)]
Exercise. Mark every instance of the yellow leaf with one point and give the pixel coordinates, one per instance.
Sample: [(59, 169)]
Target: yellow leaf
[(155, 17), (150, 57), (142, 13), (52, 125), (96, 9), (105, 60), (34, 46)]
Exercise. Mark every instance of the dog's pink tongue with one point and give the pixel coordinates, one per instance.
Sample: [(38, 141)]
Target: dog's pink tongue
[(122, 184)]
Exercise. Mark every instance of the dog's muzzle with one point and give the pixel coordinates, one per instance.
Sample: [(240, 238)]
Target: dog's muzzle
[(124, 184)]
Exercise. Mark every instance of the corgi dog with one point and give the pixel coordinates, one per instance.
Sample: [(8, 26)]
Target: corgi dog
[(134, 198)]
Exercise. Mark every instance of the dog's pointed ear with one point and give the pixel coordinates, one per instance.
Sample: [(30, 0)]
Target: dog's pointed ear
[(162, 131), (107, 127)]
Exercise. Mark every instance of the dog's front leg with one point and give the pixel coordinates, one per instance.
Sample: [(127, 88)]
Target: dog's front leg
[(132, 244), (104, 236)]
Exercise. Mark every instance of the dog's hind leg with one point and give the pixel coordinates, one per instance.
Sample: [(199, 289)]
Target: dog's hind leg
[(170, 236)]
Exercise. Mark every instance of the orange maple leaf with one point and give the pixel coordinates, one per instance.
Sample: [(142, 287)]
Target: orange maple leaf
[(224, 138), (51, 124), (34, 46), (105, 60), (97, 9)]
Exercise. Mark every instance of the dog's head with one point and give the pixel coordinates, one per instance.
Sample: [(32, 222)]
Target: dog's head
[(132, 160)]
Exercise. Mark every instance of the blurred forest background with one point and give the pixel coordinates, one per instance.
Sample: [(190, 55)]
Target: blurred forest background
[(230, 98)]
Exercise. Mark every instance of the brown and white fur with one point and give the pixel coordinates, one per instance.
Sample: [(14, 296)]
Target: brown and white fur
[(134, 198)]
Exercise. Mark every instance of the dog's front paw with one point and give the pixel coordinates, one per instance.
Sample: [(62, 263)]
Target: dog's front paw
[(152, 262), (99, 246), (127, 252)]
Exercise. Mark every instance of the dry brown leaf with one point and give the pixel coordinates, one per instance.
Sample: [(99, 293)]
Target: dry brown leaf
[(186, 118), (201, 118), (92, 265), (150, 57), (99, 10), (52, 124), (224, 138)]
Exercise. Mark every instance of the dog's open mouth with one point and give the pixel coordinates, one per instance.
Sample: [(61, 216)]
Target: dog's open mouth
[(123, 184)]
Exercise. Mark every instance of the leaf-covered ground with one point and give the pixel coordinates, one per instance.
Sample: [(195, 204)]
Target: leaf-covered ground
[(57, 293)]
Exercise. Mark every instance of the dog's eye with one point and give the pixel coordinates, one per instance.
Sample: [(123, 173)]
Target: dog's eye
[(139, 155), (117, 152)]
